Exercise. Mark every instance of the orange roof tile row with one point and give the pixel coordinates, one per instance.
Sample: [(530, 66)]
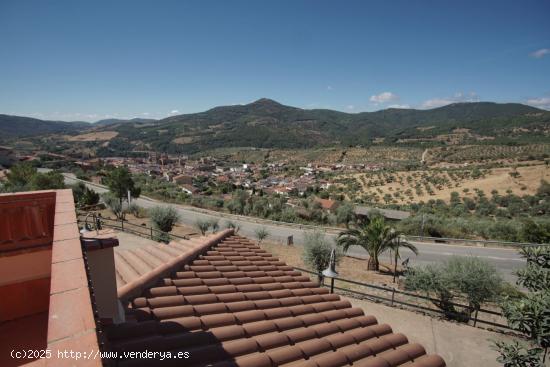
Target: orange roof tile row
[(140, 267), (237, 305)]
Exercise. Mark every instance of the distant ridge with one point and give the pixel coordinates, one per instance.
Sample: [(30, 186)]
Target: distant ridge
[(106, 122), (18, 126), (266, 123)]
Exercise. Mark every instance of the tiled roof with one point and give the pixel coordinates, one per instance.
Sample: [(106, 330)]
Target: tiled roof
[(327, 203), (237, 305), (387, 213), (137, 268)]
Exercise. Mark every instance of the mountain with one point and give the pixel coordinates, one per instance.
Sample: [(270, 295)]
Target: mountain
[(107, 122), (17, 126), (268, 124)]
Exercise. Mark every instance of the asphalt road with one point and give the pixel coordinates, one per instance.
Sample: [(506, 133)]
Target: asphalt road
[(504, 259)]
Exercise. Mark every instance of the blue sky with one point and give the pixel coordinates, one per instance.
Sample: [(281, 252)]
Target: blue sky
[(88, 60)]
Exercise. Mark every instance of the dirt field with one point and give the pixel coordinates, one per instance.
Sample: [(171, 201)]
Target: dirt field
[(98, 136), (403, 188), (349, 268)]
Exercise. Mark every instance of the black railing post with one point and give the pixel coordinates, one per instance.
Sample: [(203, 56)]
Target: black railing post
[(475, 317), (122, 224), (392, 296), (331, 285), (151, 232)]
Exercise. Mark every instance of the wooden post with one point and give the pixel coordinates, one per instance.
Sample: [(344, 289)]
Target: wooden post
[(475, 317), (392, 296)]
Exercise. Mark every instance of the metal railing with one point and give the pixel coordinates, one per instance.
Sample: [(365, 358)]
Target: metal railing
[(142, 231), (392, 297)]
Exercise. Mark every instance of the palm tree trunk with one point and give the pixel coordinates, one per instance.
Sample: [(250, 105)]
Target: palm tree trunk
[(395, 265), (373, 264)]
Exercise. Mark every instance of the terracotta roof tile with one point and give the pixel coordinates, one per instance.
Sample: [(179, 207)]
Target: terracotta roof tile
[(236, 305)]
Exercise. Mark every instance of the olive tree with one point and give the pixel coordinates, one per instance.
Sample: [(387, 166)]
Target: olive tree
[(232, 225), (214, 225), (164, 217), (261, 234), (202, 226), (115, 205), (317, 249), (471, 279)]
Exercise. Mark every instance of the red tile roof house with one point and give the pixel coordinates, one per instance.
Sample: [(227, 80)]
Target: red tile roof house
[(328, 204), (218, 301)]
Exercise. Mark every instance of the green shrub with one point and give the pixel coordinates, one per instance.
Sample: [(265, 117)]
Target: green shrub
[(137, 211), (232, 225), (261, 234), (529, 313), (115, 205), (163, 217), (317, 249), (202, 226), (470, 278), (214, 225)]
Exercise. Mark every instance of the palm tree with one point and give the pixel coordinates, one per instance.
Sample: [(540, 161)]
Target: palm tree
[(375, 237), (395, 246)]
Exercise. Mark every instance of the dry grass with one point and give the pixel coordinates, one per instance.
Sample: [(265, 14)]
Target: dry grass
[(96, 136), (348, 268), (183, 140), (498, 179)]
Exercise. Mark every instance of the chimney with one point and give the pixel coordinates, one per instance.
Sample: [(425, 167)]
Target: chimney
[(99, 248)]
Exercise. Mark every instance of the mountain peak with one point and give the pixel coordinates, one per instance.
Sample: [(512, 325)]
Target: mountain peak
[(265, 102)]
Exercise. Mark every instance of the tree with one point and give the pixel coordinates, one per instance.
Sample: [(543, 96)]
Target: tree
[(115, 205), (232, 225), (51, 180), (20, 176), (395, 246), (164, 217), (345, 213), (84, 196), (214, 225), (529, 313), (375, 237), (534, 232), (317, 251), (202, 226), (25, 177), (544, 188), (120, 182), (471, 278), (261, 234)]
